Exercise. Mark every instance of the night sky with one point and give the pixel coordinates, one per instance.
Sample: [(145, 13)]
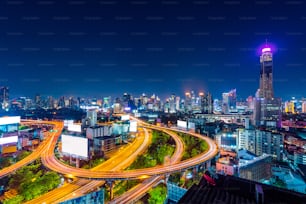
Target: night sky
[(99, 48)]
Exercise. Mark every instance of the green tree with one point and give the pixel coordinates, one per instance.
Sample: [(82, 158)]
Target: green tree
[(157, 195), (23, 155), (194, 152), (15, 200)]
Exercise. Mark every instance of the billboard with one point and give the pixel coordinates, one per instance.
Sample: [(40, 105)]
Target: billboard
[(9, 120), (133, 126), (8, 140), (74, 128), (182, 124), (9, 149), (125, 117), (75, 145), (68, 122)]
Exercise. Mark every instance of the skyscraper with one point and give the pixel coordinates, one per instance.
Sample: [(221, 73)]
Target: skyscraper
[(229, 101), (206, 103), (267, 109), (266, 74), (4, 97)]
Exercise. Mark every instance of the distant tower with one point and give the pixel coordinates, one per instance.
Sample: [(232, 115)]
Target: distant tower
[(266, 74), (267, 109), (4, 97)]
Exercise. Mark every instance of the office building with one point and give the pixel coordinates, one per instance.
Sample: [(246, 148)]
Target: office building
[(267, 109), (267, 112), (229, 101), (206, 103), (98, 131), (4, 97), (304, 107), (261, 142), (227, 140), (289, 107), (92, 116), (188, 102)]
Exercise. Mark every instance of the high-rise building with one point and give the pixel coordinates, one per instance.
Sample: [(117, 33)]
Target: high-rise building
[(229, 101), (266, 74), (261, 142), (289, 107), (267, 109), (92, 116), (4, 97), (188, 102), (267, 112), (304, 107), (206, 103)]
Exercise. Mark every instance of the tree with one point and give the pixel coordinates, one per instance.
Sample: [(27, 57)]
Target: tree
[(158, 195), (23, 155), (15, 200)]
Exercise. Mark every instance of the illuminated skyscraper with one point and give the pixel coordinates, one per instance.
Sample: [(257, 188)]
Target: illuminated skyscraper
[(267, 109), (266, 74), (188, 102), (304, 107), (4, 97), (206, 103), (229, 101)]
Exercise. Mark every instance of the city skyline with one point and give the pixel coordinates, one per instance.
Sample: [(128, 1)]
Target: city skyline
[(110, 48)]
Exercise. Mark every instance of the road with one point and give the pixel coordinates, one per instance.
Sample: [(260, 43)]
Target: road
[(50, 161), (81, 186), (37, 152), (138, 191)]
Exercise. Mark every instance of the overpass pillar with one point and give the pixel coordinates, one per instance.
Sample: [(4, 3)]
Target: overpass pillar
[(167, 178), (110, 184)]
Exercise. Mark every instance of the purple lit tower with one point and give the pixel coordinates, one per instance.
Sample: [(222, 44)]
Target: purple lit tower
[(266, 74), (267, 109)]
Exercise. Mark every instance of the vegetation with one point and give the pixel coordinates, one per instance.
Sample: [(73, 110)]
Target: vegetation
[(23, 127), (7, 161), (23, 155), (123, 186), (93, 163), (158, 194), (162, 146), (32, 181), (193, 146)]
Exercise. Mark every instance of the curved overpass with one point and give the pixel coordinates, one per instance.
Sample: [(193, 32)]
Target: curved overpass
[(138, 191), (82, 186), (37, 152), (49, 160)]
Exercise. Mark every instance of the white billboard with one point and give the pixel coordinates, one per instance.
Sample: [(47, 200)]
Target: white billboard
[(125, 117), (8, 140), (68, 122), (75, 145), (182, 124), (133, 126), (74, 128), (9, 120)]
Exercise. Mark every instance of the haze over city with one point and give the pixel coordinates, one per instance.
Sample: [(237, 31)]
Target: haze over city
[(98, 48)]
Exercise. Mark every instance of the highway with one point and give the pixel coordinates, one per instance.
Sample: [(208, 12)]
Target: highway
[(46, 152), (81, 186), (138, 191), (50, 161), (37, 152)]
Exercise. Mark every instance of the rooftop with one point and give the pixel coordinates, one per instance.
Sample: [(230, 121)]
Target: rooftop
[(230, 189)]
